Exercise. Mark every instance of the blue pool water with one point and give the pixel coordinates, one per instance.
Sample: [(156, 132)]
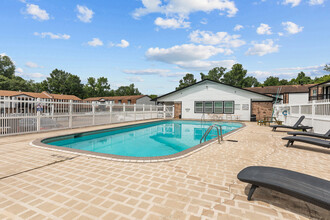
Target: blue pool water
[(146, 140)]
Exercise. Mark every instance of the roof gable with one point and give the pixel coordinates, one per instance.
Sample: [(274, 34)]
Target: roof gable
[(215, 82)]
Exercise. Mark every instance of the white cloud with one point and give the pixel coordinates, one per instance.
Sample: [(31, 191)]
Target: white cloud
[(95, 42), (238, 27), (264, 29), (292, 28), (154, 72), (293, 3), (3, 54), (280, 34), (183, 8), (316, 2), (53, 36), (135, 79), (35, 75), (19, 71), (123, 44), (36, 12), (84, 14), (205, 65), (261, 49), (204, 21), (172, 23), (301, 68), (32, 65), (220, 38), (184, 53)]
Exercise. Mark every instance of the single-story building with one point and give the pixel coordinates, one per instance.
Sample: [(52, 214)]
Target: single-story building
[(320, 91), (24, 107), (287, 94), (129, 100), (210, 99)]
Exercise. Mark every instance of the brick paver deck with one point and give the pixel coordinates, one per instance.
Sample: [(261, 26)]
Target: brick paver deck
[(37, 183)]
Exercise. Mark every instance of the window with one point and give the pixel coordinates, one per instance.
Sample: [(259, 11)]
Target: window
[(314, 92), (218, 107), (198, 107), (208, 107), (228, 107), (119, 101), (129, 102)]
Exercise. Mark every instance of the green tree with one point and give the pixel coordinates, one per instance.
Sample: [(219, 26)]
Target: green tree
[(187, 80), (127, 90), (62, 82), (327, 67), (284, 82), (153, 96), (7, 67), (235, 76), (301, 79), (322, 79), (214, 74), (15, 83), (272, 81), (250, 81)]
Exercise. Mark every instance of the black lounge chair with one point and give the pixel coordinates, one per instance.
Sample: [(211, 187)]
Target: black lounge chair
[(296, 126), (311, 134), (301, 186), (308, 140)]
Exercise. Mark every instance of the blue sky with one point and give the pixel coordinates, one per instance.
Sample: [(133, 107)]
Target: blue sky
[(153, 43)]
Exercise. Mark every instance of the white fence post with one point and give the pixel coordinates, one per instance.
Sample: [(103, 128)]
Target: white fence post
[(38, 115), (173, 111), (70, 114), (143, 112), (110, 113), (93, 112), (134, 112), (164, 109), (124, 111), (313, 112)]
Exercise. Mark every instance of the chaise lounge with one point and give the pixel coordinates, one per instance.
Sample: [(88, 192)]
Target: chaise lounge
[(296, 126), (301, 186), (308, 140), (311, 134)]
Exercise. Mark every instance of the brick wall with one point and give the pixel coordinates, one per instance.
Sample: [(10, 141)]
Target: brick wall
[(177, 109), (262, 109)]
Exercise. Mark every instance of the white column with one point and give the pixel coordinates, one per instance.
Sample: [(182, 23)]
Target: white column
[(173, 112), (164, 109)]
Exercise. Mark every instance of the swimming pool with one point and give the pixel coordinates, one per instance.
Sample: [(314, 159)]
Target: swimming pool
[(153, 139)]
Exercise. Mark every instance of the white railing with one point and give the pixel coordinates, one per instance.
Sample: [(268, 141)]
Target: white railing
[(317, 114), (27, 116)]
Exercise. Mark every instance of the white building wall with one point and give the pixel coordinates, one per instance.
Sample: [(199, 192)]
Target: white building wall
[(298, 98), (210, 91)]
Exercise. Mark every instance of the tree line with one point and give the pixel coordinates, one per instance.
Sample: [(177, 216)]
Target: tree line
[(60, 82), (237, 77)]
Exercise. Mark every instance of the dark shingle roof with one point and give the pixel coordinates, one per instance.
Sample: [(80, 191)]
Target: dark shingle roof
[(283, 89)]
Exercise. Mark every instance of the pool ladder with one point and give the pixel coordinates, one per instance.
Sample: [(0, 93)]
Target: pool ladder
[(207, 132)]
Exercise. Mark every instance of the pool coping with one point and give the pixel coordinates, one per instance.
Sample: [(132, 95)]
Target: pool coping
[(39, 144)]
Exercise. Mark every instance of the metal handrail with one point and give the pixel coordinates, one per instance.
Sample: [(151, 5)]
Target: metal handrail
[(217, 126)]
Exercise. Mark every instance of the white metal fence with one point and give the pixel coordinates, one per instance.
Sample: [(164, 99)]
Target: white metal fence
[(317, 114), (27, 116)]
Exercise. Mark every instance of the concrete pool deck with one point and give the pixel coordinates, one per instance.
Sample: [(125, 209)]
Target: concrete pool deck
[(38, 183)]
